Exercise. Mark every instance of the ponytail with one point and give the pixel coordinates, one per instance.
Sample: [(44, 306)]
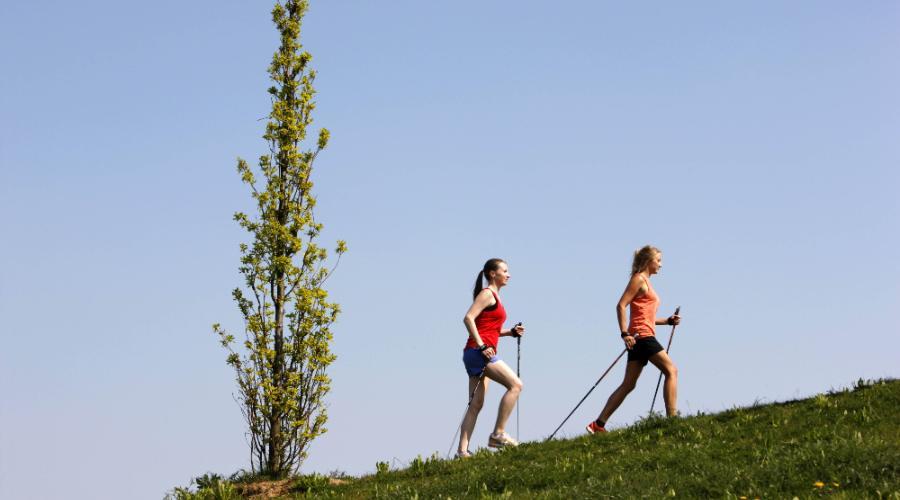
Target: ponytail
[(478, 284), (490, 265)]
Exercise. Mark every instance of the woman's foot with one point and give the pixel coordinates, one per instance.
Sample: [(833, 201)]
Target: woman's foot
[(593, 428), (502, 440), (463, 454)]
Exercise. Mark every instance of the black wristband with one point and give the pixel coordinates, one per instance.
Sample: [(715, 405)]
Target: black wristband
[(625, 334), (670, 320), (483, 347)]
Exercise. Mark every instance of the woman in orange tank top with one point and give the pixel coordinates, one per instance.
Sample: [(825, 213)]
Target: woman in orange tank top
[(640, 336)]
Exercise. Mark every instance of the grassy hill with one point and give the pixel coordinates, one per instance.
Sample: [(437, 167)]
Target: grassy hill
[(844, 444)]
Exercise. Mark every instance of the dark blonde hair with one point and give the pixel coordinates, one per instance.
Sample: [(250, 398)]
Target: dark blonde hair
[(642, 257), (490, 265)]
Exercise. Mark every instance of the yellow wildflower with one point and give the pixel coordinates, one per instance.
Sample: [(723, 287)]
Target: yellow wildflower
[(818, 484)]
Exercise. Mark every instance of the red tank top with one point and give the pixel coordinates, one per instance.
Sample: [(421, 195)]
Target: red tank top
[(642, 321), (488, 323)]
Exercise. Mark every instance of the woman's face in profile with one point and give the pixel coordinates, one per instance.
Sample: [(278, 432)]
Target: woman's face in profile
[(655, 264), (501, 275)]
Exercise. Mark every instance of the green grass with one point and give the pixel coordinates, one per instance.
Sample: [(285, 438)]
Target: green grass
[(844, 444), (847, 440)]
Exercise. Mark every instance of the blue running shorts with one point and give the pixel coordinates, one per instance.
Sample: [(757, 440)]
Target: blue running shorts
[(475, 362)]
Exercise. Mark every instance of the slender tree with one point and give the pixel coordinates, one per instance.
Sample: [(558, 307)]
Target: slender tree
[(281, 365)]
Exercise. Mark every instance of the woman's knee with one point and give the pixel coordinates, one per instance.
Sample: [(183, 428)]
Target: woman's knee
[(627, 386), (671, 371), (477, 404), (630, 382)]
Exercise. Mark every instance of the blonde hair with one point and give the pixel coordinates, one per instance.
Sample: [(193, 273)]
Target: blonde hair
[(642, 257)]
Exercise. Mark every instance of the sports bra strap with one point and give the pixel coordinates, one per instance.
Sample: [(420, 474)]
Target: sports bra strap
[(649, 287), (496, 300)]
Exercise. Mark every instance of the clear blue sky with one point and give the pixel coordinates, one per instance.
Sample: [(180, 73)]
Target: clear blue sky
[(756, 143)]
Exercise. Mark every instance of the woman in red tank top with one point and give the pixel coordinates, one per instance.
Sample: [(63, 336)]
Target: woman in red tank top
[(484, 321), (640, 336)]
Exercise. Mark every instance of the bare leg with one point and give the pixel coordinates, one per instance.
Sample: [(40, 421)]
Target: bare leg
[(632, 372), (670, 388), (504, 375), (468, 424)]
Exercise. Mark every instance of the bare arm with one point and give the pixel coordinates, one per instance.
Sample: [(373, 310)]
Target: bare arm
[(484, 300), (516, 331), (635, 287), (674, 319)]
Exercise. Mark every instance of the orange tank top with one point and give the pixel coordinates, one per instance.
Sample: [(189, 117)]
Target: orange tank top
[(642, 321)]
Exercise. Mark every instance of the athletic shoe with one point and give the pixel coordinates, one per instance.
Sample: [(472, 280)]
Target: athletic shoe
[(501, 441), (593, 428), (463, 454)]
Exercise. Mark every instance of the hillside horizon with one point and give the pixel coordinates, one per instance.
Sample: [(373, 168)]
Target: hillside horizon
[(843, 443)]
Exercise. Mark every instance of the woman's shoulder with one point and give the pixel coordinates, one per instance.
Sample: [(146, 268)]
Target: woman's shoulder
[(640, 280), (488, 295)]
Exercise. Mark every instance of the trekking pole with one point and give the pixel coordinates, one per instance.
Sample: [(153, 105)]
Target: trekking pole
[(588, 393), (471, 397), (518, 362), (671, 336)]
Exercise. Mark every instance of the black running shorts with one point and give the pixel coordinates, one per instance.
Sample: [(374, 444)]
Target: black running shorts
[(643, 349)]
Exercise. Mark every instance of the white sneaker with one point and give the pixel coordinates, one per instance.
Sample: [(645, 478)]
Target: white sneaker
[(501, 441)]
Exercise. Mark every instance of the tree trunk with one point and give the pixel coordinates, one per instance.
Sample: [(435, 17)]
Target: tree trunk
[(276, 440)]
